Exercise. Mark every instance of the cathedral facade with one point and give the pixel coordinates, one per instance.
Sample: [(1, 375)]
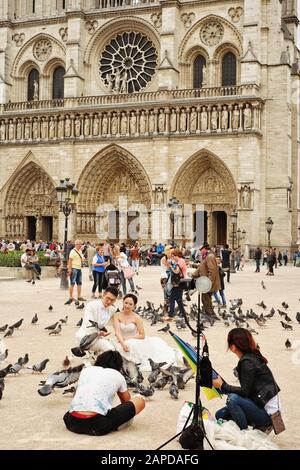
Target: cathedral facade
[(142, 101)]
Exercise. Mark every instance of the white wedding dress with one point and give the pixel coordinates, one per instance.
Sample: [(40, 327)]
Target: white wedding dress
[(140, 350)]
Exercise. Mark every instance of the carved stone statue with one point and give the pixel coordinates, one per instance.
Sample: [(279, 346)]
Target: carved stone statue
[(151, 122), (51, 128), (104, 124), (123, 123), (132, 123), (161, 122), (204, 119), (44, 128), (68, 126), (193, 121), (27, 132), (86, 126), (77, 125), (214, 119), (2, 131), (183, 121), (96, 125), (61, 127), (235, 117), (143, 122), (247, 117), (173, 121), (224, 118), (245, 197), (11, 130), (19, 129), (110, 82), (35, 129), (117, 81), (210, 184), (204, 75), (114, 124), (124, 82), (35, 90), (159, 196)]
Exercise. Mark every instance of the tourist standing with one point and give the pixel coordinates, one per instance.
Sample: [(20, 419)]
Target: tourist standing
[(98, 265), (257, 257), (75, 271), (225, 256)]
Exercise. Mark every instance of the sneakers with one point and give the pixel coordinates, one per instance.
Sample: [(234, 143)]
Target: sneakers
[(77, 352), (68, 302), (188, 297), (81, 299)]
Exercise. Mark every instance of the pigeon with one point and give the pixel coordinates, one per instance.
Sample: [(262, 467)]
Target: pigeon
[(162, 382), (80, 322), (80, 307), (9, 332), (288, 344), (286, 326), (60, 379), (173, 391), (145, 392), (25, 359), (64, 320), (298, 317), (5, 371), (77, 302), (155, 365), (52, 327), (35, 319), (66, 362), (57, 330), (4, 355), (263, 285), (50, 308), (3, 328), (166, 328), (18, 324), (40, 366), (285, 305), (87, 341), (70, 390), (287, 318), (138, 287), (15, 369), (153, 376), (262, 304)]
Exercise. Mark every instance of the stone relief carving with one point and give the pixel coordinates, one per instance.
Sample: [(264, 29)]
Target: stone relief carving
[(159, 195), (235, 13), (91, 26), (212, 33), (18, 38), (42, 50), (35, 90), (63, 32), (188, 120), (187, 19), (156, 20), (245, 197)]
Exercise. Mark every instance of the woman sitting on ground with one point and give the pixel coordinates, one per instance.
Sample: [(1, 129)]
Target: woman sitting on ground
[(91, 411), (131, 340), (257, 397)]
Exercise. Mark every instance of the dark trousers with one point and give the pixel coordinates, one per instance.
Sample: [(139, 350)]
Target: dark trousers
[(243, 412), (98, 281), (257, 265), (100, 425), (207, 303), (176, 296), (227, 271)]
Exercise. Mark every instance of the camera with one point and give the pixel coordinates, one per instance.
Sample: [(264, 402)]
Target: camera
[(187, 284)]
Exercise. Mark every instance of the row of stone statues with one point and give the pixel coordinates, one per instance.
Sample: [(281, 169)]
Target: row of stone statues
[(133, 123)]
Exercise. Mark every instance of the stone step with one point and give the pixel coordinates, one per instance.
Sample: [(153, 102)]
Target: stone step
[(2, 278)]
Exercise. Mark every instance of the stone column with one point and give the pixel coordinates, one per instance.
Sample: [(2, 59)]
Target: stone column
[(219, 118), (241, 118)]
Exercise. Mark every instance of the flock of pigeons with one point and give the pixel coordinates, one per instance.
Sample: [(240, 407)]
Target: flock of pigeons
[(161, 374)]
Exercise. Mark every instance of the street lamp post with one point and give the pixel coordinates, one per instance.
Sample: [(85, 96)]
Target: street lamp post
[(67, 195), (240, 236), (269, 227), (173, 204), (233, 223)]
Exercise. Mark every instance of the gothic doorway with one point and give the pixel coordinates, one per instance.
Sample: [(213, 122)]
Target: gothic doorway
[(205, 182), (31, 228), (47, 228), (114, 190)]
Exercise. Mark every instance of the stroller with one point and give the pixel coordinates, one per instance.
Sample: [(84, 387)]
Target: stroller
[(112, 276)]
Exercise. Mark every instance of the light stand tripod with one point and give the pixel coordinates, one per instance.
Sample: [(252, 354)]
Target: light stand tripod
[(196, 428)]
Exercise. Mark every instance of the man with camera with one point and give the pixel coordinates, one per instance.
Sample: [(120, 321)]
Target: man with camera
[(208, 267)]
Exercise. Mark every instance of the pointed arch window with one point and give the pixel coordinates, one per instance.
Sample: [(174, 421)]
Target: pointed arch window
[(229, 69), (58, 83), (199, 71), (32, 88)]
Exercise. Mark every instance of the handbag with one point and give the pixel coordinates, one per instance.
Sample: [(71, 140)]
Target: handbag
[(128, 272), (277, 422)]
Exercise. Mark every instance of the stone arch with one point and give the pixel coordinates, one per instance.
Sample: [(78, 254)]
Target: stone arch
[(187, 185), (112, 172), (219, 53), (30, 193), (100, 38)]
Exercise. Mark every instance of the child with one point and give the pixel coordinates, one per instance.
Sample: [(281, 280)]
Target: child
[(222, 274)]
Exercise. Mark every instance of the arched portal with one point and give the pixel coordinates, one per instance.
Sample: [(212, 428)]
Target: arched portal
[(205, 182), (31, 207), (114, 197)]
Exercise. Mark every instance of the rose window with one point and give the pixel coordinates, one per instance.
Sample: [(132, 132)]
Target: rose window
[(212, 33), (128, 63)]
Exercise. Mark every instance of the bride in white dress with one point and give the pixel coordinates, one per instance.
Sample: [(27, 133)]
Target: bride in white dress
[(131, 340)]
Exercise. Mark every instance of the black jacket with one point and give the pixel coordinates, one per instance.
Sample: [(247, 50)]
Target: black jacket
[(256, 379)]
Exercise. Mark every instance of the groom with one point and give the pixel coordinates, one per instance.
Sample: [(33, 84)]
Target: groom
[(100, 312)]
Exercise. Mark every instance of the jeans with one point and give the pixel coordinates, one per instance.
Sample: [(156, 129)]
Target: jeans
[(222, 295), (257, 265), (243, 412), (98, 281), (136, 265), (123, 280), (176, 296)]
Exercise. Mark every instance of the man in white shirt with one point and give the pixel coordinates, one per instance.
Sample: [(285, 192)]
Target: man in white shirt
[(99, 311), (91, 411)]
